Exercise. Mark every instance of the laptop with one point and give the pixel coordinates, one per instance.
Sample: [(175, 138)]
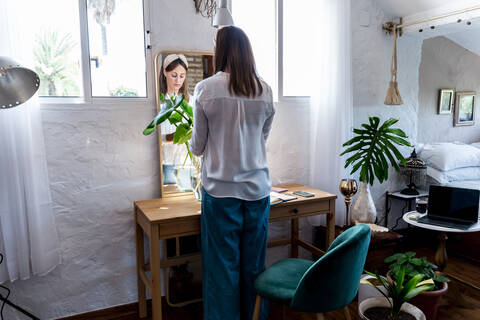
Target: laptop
[(452, 207)]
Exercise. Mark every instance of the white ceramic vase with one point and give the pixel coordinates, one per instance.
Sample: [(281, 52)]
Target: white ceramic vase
[(363, 209), (382, 302)]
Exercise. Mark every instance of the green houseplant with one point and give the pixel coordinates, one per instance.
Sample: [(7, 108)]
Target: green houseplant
[(399, 291), (427, 301), (373, 147), (180, 114)]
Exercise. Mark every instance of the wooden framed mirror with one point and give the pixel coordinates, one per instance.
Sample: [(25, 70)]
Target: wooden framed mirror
[(175, 172)]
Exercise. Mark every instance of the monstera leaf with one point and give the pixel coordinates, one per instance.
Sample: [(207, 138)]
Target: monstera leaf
[(372, 146), (173, 110)]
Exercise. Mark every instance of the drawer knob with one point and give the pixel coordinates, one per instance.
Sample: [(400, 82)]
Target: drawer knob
[(295, 211)]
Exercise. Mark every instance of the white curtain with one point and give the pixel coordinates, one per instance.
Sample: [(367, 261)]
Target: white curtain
[(331, 103), (28, 236)]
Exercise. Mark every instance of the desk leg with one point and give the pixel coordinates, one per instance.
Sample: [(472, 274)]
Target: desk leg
[(155, 272), (142, 297), (330, 234), (294, 238), (441, 254)]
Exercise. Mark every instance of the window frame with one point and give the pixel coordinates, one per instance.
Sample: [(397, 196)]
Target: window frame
[(87, 98)]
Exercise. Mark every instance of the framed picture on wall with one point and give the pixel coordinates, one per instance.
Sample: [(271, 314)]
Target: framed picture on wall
[(464, 109), (445, 101)]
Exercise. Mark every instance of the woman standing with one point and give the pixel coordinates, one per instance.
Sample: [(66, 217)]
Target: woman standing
[(233, 114)]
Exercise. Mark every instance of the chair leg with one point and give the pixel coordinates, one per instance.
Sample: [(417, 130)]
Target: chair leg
[(284, 312), (320, 316), (258, 306), (346, 313)]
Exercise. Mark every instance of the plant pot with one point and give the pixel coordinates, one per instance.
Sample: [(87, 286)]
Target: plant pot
[(363, 210), (428, 301), (383, 302), (366, 291)]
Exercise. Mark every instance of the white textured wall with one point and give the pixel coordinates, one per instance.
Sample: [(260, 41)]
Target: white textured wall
[(444, 65), (372, 51)]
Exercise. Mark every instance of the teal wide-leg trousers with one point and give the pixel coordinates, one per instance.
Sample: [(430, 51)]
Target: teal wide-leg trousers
[(234, 244)]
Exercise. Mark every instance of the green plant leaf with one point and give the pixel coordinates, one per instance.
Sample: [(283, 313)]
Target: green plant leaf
[(357, 166), (397, 132), (175, 117), (188, 108), (398, 141), (416, 291), (355, 147), (390, 122), (182, 134), (412, 283), (149, 129), (441, 278)]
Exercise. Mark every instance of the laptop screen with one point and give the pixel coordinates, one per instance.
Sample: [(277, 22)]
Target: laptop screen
[(456, 204)]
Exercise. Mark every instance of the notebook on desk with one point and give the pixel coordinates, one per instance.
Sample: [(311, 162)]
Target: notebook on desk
[(452, 207), (276, 197)]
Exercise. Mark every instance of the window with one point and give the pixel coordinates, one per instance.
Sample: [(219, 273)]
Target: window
[(51, 44), (281, 41), (85, 48), (116, 48), (259, 24)]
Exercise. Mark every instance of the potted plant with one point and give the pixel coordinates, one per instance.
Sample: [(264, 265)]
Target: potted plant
[(427, 301), (393, 305), (373, 146), (180, 114)]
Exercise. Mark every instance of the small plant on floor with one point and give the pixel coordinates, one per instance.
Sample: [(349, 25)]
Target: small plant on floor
[(414, 266), (399, 290)]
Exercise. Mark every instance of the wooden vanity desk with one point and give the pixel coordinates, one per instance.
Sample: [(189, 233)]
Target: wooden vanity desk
[(179, 215)]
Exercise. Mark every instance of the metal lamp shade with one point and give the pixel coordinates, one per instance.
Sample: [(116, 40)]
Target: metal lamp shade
[(414, 173), (222, 18), (17, 84)]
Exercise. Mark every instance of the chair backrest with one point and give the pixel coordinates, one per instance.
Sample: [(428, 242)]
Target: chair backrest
[(332, 282)]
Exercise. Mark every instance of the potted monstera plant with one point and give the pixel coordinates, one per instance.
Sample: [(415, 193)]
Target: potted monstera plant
[(393, 305), (179, 113), (373, 147), (429, 300)]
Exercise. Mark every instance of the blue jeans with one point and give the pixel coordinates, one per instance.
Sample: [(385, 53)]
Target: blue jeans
[(234, 244)]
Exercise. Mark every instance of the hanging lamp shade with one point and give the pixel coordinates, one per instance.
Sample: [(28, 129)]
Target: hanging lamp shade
[(17, 84), (222, 17)]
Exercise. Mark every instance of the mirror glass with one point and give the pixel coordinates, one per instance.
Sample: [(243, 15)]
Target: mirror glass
[(176, 168)]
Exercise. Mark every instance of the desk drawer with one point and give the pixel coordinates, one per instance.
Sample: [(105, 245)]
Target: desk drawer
[(298, 209), (184, 228)]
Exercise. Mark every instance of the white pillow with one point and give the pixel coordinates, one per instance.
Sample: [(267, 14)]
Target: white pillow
[(448, 156), (460, 174)]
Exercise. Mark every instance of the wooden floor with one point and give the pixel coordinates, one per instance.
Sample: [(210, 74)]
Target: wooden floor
[(461, 302)]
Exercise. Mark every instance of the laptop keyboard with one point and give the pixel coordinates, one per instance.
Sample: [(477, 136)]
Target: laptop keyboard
[(441, 223)]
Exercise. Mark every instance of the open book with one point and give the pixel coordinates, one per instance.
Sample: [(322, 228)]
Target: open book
[(276, 197)]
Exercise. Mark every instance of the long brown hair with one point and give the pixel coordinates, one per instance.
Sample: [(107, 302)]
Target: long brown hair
[(233, 53), (163, 80)]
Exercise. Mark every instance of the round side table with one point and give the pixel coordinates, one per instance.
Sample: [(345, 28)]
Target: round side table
[(441, 253)]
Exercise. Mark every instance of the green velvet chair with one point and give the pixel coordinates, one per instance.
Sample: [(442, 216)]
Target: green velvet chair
[(328, 284)]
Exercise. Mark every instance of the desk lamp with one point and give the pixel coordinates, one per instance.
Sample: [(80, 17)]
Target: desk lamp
[(414, 172), (17, 85)]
